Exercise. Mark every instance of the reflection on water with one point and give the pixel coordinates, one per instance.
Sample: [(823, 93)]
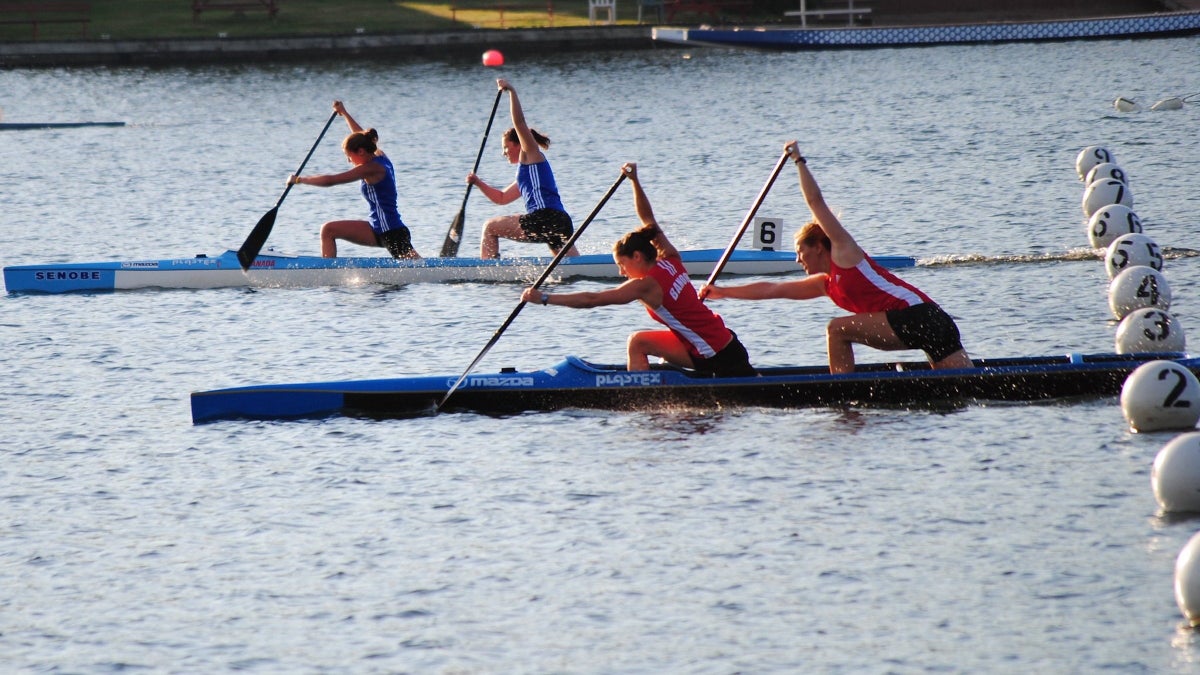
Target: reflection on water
[(682, 423), (1167, 519)]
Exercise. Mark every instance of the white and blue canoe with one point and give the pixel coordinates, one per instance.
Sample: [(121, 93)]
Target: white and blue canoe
[(279, 270), (1162, 24), (575, 383)]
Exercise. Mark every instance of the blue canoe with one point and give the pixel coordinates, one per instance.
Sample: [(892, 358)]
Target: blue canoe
[(278, 270), (575, 383), (795, 38)]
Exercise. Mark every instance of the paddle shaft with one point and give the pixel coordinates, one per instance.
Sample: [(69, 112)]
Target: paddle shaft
[(258, 236), (562, 253), (454, 236), (746, 221)]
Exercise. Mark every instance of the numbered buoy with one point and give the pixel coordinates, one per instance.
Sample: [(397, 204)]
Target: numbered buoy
[(1101, 193), (1135, 248), (1173, 103), (1187, 580), (1175, 476), (493, 58), (1160, 395), (1149, 330), (1126, 105), (1091, 156), (1136, 287), (1106, 170), (1110, 222)]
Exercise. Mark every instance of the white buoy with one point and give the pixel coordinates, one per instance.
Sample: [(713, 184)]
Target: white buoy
[(1173, 103), (1161, 395), (1091, 156), (1110, 222), (1187, 580), (1101, 193), (1150, 330), (1138, 286), (1131, 249), (1175, 476), (1126, 105), (1106, 170)]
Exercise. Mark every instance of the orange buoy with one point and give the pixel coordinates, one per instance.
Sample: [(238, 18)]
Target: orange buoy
[(493, 58)]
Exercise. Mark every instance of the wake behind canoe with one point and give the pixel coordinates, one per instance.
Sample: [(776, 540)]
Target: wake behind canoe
[(277, 270)]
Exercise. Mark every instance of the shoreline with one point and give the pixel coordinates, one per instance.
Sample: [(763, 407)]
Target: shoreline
[(183, 51), (423, 44)]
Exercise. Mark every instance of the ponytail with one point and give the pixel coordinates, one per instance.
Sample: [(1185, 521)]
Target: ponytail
[(641, 241), (362, 140), (542, 141)]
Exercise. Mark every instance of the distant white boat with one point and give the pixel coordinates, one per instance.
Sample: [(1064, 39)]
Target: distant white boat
[(801, 38), (18, 126)]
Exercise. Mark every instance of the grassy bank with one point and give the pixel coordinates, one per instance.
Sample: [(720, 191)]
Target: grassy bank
[(140, 19), (150, 19)]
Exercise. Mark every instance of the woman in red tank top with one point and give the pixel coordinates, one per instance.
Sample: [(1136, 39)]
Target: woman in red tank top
[(695, 336), (887, 312)]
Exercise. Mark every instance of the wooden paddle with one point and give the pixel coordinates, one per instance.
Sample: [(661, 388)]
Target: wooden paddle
[(746, 221), (454, 236), (562, 252), (258, 236)]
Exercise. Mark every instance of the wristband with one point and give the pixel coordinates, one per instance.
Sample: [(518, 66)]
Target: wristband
[(545, 298), (800, 160)]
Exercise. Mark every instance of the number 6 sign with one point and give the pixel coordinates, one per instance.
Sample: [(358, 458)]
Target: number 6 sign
[(768, 233)]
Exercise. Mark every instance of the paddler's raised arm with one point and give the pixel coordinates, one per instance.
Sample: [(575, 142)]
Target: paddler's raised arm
[(845, 252), (641, 204), (340, 109), (530, 150)]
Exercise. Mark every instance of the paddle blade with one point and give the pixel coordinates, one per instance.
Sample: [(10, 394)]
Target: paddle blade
[(454, 236), (258, 236)]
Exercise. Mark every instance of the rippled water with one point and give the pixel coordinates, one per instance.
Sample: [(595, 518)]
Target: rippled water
[(1015, 538)]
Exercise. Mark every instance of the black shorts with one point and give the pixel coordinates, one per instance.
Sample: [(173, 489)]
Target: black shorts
[(926, 327), (547, 226), (731, 361), (398, 242)]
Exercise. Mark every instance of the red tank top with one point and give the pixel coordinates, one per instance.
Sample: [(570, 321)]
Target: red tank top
[(695, 324), (868, 287)]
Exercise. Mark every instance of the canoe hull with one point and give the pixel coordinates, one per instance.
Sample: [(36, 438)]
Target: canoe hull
[(575, 383), (274, 270), (1134, 26), (23, 126)]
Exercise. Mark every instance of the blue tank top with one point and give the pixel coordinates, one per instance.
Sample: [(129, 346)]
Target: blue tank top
[(385, 214), (536, 182)]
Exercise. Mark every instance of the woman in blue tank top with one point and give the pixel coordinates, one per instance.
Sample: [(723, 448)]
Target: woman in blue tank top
[(545, 220), (374, 169)]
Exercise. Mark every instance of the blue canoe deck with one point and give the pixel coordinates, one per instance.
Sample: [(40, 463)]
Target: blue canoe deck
[(575, 383)]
